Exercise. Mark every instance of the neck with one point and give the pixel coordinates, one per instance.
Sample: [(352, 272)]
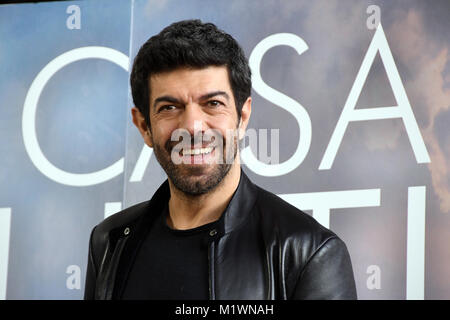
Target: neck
[(188, 212)]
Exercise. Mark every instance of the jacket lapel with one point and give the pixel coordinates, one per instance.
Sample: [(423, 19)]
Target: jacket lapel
[(136, 234)]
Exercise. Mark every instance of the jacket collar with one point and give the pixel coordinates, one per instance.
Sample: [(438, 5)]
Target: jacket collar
[(241, 202)]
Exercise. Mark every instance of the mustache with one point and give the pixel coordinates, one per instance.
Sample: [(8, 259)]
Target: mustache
[(198, 140)]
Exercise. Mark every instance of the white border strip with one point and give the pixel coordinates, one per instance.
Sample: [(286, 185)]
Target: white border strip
[(415, 265)]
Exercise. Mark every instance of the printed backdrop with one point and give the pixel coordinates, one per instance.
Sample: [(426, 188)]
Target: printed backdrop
[(356, 92)]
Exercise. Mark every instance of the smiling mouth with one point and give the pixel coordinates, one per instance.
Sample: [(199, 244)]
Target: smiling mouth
[(197, 151)]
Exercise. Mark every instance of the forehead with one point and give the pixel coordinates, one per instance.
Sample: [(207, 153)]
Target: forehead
[(189, 83)]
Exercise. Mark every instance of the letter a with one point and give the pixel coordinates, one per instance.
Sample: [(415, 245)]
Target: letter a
[(374, 280), (74, 20), (74, 280), (403, 110)]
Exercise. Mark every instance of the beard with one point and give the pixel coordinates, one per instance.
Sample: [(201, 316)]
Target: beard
[(195, 180)]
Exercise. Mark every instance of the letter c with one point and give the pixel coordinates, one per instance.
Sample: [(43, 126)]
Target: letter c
[(29, 113)]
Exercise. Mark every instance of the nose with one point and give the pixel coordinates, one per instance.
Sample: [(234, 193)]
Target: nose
[(193, 119)]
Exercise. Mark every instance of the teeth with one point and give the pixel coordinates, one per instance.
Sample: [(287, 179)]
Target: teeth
[(196, 151)]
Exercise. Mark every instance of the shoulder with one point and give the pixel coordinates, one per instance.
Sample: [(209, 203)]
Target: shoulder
[(123, 218), (117, 221), (300, 240), (288, 222)]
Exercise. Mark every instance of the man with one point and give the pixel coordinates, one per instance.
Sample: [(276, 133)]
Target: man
[(208, 232)]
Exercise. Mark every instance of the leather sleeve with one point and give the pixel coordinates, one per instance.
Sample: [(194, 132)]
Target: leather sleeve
[(91, 273), (328, 274)]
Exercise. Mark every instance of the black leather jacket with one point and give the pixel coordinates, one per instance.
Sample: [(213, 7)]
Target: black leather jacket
[(264, 249)]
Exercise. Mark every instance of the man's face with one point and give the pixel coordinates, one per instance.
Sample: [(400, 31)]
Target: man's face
[(196, 102)]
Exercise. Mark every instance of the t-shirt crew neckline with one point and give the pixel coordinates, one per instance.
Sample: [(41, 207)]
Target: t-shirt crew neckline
[(185, 232)]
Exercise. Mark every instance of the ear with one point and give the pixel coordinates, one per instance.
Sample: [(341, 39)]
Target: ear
[(141, 124), (245, 117)]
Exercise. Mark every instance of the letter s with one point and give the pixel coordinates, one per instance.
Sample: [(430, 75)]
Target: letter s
[(281, 100)]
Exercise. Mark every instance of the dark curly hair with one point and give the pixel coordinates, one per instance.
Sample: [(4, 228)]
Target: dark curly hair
[(189, 43)]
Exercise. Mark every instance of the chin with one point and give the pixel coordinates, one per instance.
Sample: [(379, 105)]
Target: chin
[(199, 181)]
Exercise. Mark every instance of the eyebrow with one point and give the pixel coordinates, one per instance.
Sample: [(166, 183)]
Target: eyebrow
[(203, 97), (215, 93), (164, 99)]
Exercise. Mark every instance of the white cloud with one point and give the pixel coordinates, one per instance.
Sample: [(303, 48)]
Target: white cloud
[(428, 83)]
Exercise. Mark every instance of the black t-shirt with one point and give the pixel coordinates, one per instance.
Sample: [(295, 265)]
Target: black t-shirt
[(171, 264)]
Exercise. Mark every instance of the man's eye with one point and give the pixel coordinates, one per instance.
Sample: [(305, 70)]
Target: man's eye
[(214, 103), (167, 108)]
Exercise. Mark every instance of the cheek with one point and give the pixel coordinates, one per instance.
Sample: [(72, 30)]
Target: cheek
[(228, 132), (162, 131), (161, 138), (224, 122)]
